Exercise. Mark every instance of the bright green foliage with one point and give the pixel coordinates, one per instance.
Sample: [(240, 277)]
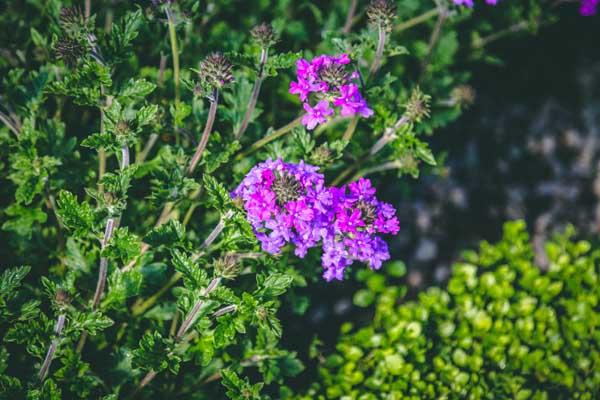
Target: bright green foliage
[(96, 138), (502, 329)]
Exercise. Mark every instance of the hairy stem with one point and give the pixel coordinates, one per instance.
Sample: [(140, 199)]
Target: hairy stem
[(350, 129), (378, 53), (417, 20), (140, 307), (269, 138), (9, 123), (58, 328), (191, 318), (185, 326), (141, 157), (350, 17), (175, 54), (435, 35), (264, 54), (394, 164), (484, 41), (388, 135), (103, 267), (212, 112)]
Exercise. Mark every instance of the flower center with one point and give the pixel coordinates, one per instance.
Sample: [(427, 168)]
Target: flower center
[(286, 188), (367, 212), (334, 75)]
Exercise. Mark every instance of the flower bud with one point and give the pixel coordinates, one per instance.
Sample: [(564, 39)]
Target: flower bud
[(463, 95), (264, 35), (417, 106), (69, 50), (215, 70), (381, 13)]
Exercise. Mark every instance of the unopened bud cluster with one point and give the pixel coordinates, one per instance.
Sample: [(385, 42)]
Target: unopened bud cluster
[(264, 35), (381, 14)]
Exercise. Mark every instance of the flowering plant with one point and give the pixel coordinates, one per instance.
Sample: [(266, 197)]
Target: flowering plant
[(164, 197)]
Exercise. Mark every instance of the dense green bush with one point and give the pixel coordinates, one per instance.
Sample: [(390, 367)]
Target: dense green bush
[(118, 151), (502, 329)]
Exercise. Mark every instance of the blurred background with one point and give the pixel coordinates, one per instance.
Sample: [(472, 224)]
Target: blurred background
[(528, 147)]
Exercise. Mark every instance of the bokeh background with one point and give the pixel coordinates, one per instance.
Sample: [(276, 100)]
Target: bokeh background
[(528, 148)]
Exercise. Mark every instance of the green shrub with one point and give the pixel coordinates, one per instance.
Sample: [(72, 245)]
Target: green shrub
[(502, 329)]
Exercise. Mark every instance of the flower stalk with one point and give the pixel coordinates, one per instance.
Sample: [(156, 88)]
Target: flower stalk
[(103, 267), (185, 326), (212, 113), (175, 55), (141, 307), (269, 138), (264, 54), (58, 328)]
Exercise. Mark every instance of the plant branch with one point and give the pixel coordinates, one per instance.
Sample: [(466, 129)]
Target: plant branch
[(58, 328), (433, 39), (212, 112), (350, 17), (140, 307), (8, 121), (269, 138), (264, 54), (417, 20), (378, 53), (175, 55)]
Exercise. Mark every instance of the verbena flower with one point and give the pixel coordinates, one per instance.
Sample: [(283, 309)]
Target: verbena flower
[(285, 203), (352, 233), (589, 7), (327, 79), (470, 3), (289, 203)]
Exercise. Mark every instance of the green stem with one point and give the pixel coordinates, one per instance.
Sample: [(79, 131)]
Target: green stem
[(416, 20), (175, 53), (264, 54), (212, 113), (269, 138)]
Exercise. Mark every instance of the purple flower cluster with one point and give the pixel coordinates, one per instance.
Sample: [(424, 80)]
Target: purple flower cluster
[(289, 203), (356, 219), (471, 3), (588, 7), (329, 82)]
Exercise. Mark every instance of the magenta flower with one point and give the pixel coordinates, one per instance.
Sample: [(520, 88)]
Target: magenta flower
[(289, 204), (284, 204), (316, 115), (470, 3), (328, 78), (352, 235), (588, 7), (351, 102)]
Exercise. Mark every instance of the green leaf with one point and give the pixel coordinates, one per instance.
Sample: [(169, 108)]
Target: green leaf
[(218, 196), (23, 219), (169, 234), (10, 280), (78, 217), (91, 322), (154, 353), (274, 284), (123, 246), (106, 141), (146, 115), (136, 89), (240, 388), (194, 277)]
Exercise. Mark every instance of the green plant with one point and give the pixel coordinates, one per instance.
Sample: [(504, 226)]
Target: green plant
[(501, 329), (118, 151)]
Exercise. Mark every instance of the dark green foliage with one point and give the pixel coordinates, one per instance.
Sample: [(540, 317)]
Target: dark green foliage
[(142, 267), (502, 329)]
